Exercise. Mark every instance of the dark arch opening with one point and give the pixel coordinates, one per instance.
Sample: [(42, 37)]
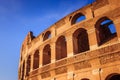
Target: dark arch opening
[(61, 48), (47, 35), (105, 30), (36, 60), (80, 41), (78, 18), (46, 54), (85, 79), (28, 66), (21, 58), (19, 72), (23, 70), (114, 76)]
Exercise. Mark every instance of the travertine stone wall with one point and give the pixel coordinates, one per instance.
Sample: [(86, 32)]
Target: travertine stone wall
[(100, 61)]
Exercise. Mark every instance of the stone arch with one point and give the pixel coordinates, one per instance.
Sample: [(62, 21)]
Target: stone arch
[(28, 65), (46, 54), (80, 41), (105, 30), (61, 48), (114, 76), (77, 18), (47, 35), (36, 59), (85, 79)]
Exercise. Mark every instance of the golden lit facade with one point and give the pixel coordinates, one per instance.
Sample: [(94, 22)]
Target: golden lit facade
[(73, 49)]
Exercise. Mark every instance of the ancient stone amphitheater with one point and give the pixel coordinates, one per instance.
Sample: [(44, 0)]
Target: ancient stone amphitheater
[(84, 45)]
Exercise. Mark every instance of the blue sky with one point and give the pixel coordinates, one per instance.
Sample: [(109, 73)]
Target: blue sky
[(18, 17)]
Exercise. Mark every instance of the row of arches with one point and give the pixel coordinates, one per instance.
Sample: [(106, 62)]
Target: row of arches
[(80, 42), (105, 30), (77, 18), (61, 49)]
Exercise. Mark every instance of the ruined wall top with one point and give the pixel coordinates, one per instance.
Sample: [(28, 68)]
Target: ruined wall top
[(62, 26)]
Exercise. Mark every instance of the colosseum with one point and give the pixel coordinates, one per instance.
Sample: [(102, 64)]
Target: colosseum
[(84, 45)]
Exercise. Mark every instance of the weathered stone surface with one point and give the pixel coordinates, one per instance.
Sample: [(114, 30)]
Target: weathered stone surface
[(85, 50)]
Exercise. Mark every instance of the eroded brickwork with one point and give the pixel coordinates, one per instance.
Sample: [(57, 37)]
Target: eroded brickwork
[(88, 49)]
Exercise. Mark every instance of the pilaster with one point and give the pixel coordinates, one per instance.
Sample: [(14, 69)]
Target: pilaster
[(53, 57), (41, 58), (92, 39), (69, 45), (117, 25)]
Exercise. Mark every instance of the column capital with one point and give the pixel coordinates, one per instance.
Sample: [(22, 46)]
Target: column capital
[(70, 37)]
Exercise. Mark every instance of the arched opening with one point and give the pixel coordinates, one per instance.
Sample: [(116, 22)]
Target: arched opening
[(47, 35), (21, 58), (105, 30), (28, 66), (46, 54), (114, 76), (36, 60), (23, 70), (85, 79), (78, 18), (61, 48), (80, 41)]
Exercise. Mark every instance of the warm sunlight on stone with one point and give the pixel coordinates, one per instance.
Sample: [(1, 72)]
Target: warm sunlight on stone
[(84, 45)]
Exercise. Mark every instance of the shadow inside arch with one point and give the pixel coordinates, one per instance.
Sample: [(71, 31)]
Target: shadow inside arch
[(113, 76)]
